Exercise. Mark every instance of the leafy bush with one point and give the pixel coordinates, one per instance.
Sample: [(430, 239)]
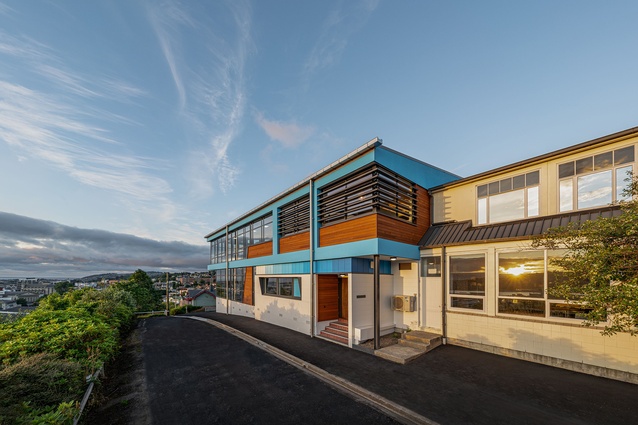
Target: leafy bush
[(39, 380), (73, 334)]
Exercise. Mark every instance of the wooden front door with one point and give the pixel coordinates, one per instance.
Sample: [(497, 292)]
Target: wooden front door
[(327, 297), (343, 298)]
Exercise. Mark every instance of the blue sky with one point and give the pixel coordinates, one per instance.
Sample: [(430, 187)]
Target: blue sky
[(162, 120)]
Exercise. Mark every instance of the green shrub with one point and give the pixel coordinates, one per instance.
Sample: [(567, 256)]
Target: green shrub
[(72, 334), (37, 385)]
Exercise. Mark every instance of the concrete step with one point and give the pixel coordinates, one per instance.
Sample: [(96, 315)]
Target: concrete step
[(426, 341), (336, 331), (339, 326), (334, 337), (397, 353)]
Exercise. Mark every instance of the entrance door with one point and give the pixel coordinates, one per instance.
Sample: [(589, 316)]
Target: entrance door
[(327, 297)]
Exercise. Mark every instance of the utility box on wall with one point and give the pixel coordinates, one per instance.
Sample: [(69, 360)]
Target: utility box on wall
[(403, 303)]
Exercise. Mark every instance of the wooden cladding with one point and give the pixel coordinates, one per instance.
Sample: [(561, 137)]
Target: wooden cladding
[(260, 250), (380, 226), (349, 231), (248, 297), (298, 242)]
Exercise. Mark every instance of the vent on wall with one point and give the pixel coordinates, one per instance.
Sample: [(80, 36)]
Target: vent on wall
[(403, 303)]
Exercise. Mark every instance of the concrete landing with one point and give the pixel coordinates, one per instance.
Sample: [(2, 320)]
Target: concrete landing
[(410, 346), (399, 353)]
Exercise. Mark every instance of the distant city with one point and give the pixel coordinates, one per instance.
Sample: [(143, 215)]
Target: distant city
[(20, 294)]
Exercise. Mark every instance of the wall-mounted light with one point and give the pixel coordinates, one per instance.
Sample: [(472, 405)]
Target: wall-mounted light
[(393, 258), (343, 275)]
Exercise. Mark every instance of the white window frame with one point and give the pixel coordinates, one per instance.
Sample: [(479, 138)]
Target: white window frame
[(450, 295)]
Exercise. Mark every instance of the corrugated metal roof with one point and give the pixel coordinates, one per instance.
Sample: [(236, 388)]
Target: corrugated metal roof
[(462, 232)]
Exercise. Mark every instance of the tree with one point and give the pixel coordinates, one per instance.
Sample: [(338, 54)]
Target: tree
[(22, 301), (140, 285), (601, 266), (62, 287)]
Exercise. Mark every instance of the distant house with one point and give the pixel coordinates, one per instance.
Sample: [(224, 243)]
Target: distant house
[(8, 302), (200, 298)]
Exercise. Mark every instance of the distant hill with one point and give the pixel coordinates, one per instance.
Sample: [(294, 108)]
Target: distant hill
[(116, 276)]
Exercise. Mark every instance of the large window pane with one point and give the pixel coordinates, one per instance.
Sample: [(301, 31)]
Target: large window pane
[(532, 202), (467, 275), (521, 307), (285, 287), (566, 195), (521, 274), (623, 180), (471, 303), (507, 206), (482, 211), (594, 190), (568, 311)]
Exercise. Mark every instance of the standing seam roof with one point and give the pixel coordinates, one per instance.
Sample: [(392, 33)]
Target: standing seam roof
[(458, 233)]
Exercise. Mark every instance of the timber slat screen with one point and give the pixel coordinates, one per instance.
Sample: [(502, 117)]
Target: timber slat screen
[(294, 217), (371, 190)]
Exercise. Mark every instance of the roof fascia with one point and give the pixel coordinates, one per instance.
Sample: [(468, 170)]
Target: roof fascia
[(372, 144)]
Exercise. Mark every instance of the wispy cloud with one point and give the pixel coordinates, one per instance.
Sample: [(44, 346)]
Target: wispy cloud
[(59, 126), (211, 97), (35, 247), (342, 22), (290, 135)]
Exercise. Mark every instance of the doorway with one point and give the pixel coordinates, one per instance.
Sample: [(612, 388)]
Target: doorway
[(332, 297)]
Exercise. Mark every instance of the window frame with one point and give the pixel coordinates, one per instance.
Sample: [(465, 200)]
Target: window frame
[(528, 184), (264, 282), (548, 302), (451, 296), (572, 173)]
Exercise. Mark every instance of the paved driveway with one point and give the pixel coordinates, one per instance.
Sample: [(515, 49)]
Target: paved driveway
[(195, 373), (198, 374)]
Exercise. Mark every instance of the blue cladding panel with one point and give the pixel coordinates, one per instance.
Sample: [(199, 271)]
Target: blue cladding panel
[(425, 175), (351, 265), (290, 268)]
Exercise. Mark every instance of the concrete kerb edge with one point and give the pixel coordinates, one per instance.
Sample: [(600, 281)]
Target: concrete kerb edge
[(387, 407)]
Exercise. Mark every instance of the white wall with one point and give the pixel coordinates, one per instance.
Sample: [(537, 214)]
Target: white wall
[(286, 312), (571, 342), (362, 307), (406, 282)]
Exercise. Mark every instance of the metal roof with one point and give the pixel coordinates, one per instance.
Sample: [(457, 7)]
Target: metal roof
[(462, 232)]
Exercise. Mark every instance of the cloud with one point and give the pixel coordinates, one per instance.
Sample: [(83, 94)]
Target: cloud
[(33, 247), (211, 96), (338, 27), (291, 135)]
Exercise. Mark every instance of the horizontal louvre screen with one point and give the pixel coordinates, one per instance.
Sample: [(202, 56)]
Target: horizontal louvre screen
[(294, 217), (373, 189)]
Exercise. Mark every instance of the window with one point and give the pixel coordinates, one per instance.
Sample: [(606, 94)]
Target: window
[(287, 287), (218, 250), (595, 181), (467, 282), (220, 283), (240, 239), (371, 190), (294, 217), (509, 199), (523, 281), (431, 267)]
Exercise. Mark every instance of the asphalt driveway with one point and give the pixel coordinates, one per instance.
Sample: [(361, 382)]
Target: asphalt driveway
[(195, 373)]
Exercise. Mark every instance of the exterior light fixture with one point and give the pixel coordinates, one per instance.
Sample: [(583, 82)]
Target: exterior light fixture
[(393, 258)]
